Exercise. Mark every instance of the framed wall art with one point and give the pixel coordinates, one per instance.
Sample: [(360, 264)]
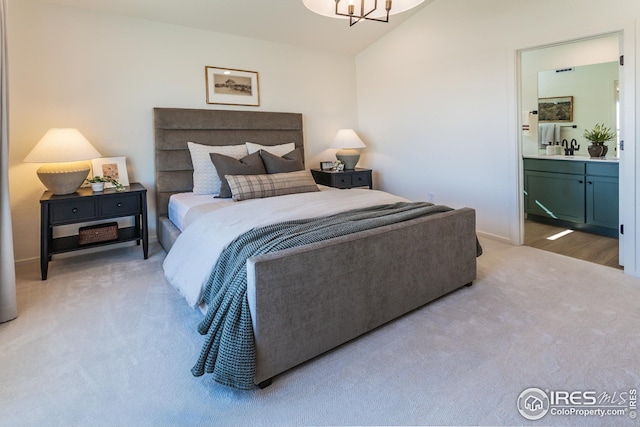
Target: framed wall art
[(232, 87), (114, 167), (558, 109)]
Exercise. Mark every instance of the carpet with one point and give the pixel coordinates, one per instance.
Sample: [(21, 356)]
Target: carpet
[(106, 341)]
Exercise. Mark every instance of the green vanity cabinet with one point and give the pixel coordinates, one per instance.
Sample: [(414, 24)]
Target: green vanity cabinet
[(573, 193), (555, 195)]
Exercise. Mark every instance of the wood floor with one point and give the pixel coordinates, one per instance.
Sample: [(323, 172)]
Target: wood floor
[(589, 247)]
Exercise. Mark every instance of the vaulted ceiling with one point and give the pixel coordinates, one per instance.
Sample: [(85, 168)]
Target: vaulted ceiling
[(280, 21)]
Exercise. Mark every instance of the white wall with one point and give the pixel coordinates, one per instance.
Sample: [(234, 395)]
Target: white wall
[(103, 74), (438, 101)]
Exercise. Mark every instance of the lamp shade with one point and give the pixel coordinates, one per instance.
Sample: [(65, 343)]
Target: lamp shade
[(62, 151), (348, 141), (347, 138), (328, 7), (62, 145)]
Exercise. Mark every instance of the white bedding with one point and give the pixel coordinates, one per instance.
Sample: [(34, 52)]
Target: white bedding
[(184, 208), (193, 256)]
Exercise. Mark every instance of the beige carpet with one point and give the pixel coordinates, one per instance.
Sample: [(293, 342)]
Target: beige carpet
[(107, 342)]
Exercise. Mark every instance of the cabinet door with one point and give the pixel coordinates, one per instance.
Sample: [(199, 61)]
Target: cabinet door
[(555, 195), (602, 201)]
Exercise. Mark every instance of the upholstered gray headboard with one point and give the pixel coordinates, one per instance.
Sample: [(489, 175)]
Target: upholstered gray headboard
[(174, 127)]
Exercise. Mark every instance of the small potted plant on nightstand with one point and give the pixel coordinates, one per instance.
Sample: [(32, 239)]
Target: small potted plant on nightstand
[(97, 182), (598, 136)]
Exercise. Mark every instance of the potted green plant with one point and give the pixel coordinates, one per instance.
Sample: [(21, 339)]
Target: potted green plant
[(598, 136), (97, 182)]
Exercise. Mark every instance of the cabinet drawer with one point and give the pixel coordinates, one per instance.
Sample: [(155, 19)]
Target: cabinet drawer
[(360, 179), (72, 211), (602, 169), (559, 166), (341, 181), (126, 204)]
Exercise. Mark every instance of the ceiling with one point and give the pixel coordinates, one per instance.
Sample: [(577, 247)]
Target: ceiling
[(280, 21)]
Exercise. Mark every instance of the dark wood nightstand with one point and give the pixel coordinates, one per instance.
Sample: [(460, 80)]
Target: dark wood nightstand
[(84, 206), (358, 177)]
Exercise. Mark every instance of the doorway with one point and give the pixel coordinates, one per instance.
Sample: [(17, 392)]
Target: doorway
[(557, 72)]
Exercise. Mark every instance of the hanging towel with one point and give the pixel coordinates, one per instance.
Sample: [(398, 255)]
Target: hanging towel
[(525, 123), (529, 123), (549, 133)]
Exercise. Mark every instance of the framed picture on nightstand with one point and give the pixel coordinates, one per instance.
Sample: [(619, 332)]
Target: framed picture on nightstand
[(114, 167), (326, 166)]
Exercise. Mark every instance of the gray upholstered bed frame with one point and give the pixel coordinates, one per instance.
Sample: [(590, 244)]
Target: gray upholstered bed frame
[(307, 300)]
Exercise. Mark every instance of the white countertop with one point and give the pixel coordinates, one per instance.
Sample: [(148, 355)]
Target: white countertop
[(581, 158)]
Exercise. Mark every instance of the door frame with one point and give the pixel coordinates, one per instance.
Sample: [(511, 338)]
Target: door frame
[(628, 189)]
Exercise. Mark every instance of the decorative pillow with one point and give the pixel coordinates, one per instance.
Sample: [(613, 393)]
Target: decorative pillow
[(205, 177), (290, 162), (225, 165), (278, 150), (245, 187)]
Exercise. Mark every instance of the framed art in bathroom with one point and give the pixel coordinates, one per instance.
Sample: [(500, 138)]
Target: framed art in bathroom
[(232, 87), (558, 109)]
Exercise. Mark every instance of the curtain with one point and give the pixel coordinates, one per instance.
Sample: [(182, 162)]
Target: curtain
[(8, 306)]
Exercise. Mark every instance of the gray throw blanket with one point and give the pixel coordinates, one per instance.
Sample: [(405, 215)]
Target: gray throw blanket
[(229, 351)]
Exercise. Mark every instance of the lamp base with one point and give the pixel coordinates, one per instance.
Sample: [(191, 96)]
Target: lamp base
[(63, 178), (349, 157)]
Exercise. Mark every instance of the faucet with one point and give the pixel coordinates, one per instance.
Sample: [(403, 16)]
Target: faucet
[(574, 146), (570, 147)]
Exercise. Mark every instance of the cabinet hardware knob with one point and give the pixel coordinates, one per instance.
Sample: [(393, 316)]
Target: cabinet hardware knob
[(580, 181), (589, 182), (119, 204), (74, 210)]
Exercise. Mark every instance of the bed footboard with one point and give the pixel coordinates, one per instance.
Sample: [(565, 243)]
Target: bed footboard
[(305, 301)]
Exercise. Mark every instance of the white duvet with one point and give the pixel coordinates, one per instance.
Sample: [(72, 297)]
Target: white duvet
[(193, 256)]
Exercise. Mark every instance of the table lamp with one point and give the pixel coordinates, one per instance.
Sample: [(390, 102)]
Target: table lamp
[(347, 141), (62, 151)]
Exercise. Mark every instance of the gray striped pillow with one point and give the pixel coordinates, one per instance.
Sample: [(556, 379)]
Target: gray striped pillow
[(245, 187)]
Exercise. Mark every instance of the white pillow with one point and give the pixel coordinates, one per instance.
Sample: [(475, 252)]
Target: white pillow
[(205, 176), (276, 150)]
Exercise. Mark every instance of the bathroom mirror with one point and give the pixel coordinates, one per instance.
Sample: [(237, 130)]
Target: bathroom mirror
[(593, 94)]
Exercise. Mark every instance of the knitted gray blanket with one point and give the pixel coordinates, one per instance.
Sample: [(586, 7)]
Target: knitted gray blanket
[(228, 351)]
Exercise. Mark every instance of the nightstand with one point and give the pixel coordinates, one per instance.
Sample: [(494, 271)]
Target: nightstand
[(85, 206), (358, 177)]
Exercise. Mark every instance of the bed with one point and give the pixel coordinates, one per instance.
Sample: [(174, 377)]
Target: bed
[(306, 300)]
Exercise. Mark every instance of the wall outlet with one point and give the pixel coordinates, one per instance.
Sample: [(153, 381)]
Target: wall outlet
[(431, 198)]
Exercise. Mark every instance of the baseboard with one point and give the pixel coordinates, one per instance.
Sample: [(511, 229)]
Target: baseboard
[(494, 237)]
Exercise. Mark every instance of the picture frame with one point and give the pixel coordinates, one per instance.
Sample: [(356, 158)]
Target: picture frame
[(228, 86), (114, 167), (326, 166), (555, 109)]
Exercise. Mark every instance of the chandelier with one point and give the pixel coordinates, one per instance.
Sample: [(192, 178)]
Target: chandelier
[(360, 10)]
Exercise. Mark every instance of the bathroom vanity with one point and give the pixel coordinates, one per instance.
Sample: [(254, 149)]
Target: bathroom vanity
[(572, 191)]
